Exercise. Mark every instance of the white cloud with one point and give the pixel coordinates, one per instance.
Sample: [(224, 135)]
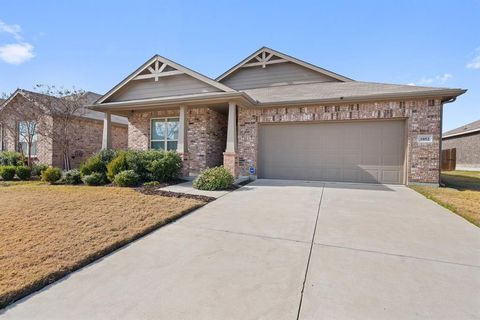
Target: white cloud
[(12, 29), (16, 53), (475, 63), (444, 78), (440, 79)]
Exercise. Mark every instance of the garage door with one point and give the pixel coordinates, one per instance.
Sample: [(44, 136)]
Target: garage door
[(361, 151)]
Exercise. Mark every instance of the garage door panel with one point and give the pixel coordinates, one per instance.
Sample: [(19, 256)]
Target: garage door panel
[(362, 151)]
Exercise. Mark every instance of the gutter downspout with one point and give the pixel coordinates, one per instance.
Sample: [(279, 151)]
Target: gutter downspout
[(450, 100)]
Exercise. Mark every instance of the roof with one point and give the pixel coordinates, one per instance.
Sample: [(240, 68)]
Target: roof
[(465, 129), (87, 113), (342, 91), (270, 52)]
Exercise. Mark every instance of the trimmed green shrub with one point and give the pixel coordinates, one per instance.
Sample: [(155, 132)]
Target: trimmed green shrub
[(152, 184), (97, 163), (94, 179), (117, 165), (127, 178), (23, 172), (7, 172), (37, 169), (137, 161), (11, 158), (72, 177), (217, 178), (167, 167), (51, 175)]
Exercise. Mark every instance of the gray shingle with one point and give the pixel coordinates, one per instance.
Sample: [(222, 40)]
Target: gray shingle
[(473, 126)]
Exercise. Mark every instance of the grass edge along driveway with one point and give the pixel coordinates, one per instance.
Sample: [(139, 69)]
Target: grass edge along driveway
[(47, 232)]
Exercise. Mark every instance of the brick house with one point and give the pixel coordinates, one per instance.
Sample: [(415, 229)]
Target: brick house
[(87, 129), (279, 117), (466, 141)]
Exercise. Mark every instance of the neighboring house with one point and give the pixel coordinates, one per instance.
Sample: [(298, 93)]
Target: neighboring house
[(86, 136), (466, 141), (275, 116)]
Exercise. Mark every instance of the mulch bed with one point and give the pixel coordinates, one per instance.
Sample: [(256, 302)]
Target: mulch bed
[(150, 190)]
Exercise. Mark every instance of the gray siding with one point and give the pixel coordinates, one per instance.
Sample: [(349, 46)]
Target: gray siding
[(468, 150), (275, 74), (168, 86)]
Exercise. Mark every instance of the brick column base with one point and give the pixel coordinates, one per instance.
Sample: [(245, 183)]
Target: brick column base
[(185, 172), (230, 162)]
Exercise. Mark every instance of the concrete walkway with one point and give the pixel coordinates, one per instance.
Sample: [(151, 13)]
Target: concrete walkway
[(284, 250)]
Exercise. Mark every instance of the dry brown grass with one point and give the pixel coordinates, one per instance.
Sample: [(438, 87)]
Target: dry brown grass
[(461, 194), (48, 231)]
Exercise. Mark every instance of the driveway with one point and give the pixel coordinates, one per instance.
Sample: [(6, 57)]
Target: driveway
[(284, 250)]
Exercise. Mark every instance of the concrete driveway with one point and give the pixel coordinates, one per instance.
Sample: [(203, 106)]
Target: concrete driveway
[(284, 250)]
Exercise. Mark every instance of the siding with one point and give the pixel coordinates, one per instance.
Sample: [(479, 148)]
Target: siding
[(468, 150), (169, 86), (275, 74)]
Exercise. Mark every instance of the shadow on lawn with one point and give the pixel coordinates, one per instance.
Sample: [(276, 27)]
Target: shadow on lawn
[(462, 180)]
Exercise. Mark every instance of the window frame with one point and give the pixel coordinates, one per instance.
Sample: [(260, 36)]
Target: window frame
[(165, 140)]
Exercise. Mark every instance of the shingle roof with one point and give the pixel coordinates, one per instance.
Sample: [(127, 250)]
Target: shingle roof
[(336, 90), (465, 129)]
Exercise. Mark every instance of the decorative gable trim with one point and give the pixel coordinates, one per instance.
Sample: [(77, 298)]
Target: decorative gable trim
[(266, 56), (158, 67)]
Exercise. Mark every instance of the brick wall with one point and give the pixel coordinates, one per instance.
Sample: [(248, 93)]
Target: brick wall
[(468, 150), (422, 118), (205, 138)]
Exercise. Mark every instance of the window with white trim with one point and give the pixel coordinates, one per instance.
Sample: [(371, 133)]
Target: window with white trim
[(164, 133)]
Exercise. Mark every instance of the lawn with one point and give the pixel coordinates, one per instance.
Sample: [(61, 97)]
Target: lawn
[(48, 231), (461, 194)]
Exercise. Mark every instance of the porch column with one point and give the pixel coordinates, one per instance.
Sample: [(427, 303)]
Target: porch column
[(182, 140), (230, 157), (107, 131)]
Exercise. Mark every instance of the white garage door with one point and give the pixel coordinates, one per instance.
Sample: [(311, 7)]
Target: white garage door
[(357, 151)]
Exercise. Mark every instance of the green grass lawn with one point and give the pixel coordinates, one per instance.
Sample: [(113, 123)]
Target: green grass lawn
[(460, 194)]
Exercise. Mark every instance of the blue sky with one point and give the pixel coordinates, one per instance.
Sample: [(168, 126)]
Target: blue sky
[(92, 45)]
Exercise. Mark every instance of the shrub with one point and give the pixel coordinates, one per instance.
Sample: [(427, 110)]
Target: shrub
[(217, 178), (117, 165), (7, 172), (127, 178), (106, 155), (37, 169), (152, 184), (23, 172), (51, 175), (167, 167), (97, 163), (11, 158), (72, 177), (94, 179), (137, 161)]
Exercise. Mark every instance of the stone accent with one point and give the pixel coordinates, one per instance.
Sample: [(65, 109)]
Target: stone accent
[(468, 150), (423, 116)]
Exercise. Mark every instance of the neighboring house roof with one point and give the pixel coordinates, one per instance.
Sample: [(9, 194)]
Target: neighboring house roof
[(87, 113), (265, 56), (333, 88), (342, 91), (465, 129)]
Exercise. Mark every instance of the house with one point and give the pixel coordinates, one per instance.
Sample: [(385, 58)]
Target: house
[(24, 111), (275, 116), (466, 141)]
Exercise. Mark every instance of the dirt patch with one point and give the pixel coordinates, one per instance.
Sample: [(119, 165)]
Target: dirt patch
[(155, 191)]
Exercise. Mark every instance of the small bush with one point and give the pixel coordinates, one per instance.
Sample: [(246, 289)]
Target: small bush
[(97, 163), (7, 172), (117, 165), (11, 158), (23, 172), (127, 178), (72, 177), (94, 179), (138, 162), (152, 184), (37, 169), (217, 178), (167, 167), (106, 155), (51, 175)]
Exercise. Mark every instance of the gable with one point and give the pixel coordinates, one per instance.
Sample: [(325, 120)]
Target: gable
[(267, 67), (160, 77)]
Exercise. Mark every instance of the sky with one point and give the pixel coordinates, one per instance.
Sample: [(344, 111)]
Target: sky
[(93, 45)]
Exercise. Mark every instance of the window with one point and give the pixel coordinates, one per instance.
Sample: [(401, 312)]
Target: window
[(164, 134), (27, 130)]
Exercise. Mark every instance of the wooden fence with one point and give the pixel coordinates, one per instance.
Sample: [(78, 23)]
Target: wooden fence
[(449, 159)]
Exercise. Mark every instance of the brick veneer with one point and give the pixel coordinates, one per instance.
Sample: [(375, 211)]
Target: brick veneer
[(468, 150), (423, 117), (205, 137)]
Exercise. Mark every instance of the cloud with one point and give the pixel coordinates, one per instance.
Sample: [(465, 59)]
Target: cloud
[(475, 63), (444, 78), (440, 79), (16, 53)]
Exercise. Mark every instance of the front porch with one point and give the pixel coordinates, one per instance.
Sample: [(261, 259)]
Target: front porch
[(204, 136)]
